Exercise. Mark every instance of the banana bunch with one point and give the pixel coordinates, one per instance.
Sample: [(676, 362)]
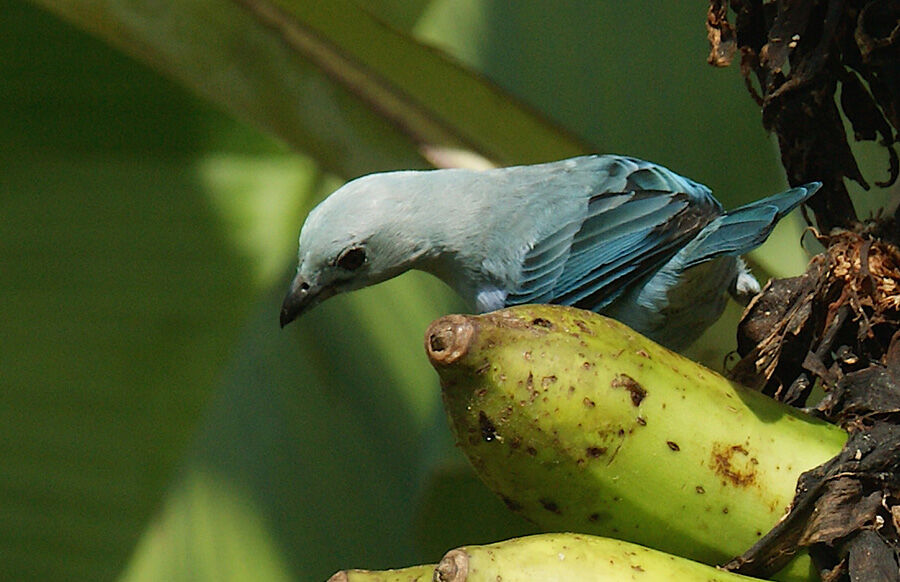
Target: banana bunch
[(580, 424), (424, 573), (549, 557)]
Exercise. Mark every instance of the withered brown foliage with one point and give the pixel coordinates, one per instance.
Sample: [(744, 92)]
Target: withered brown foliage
[(800, 52), (840, 314), (837, 326)]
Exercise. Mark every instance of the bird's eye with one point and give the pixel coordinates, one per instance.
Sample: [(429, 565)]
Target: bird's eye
[(351, 259)]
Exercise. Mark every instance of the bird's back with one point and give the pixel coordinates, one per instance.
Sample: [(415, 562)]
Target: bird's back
[(633, 217), (652, 249), (688, 293)]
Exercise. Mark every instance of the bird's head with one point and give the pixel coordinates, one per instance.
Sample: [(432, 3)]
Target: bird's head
[(354, 238)]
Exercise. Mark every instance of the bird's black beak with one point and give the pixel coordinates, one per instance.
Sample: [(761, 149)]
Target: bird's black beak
[(298, 298)]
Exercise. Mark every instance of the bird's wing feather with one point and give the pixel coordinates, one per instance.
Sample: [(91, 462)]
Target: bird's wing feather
[(745, 228), (637, 217), (633, 248), (544, 265)]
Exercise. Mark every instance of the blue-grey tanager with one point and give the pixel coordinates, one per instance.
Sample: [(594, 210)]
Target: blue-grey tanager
[(612, 234)]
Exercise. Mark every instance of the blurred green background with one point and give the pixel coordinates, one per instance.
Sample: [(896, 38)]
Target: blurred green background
[(155, 422)]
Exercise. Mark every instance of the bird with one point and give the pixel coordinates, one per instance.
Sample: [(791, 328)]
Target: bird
[(613, 234)]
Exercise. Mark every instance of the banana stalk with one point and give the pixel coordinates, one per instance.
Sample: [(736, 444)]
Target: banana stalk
[(424, 573), (580, 424), (566, 556)]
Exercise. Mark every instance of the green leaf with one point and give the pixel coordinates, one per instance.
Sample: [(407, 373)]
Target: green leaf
[(118, 295), (327, 78)]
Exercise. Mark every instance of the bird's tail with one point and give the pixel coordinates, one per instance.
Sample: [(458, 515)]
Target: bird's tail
[(743, 229)]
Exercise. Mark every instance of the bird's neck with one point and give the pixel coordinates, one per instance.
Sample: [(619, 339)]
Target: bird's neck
[(448, 236)]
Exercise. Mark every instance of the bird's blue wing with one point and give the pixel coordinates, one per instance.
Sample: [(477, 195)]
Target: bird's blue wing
[(745, 228), (637, 217)]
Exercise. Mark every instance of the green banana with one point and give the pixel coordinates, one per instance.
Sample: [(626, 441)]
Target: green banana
[(566, 556), (547, 557), (580, 424), (423, 573)]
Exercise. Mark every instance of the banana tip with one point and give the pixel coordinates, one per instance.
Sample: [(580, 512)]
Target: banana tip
[(448, 339), (454, 567)]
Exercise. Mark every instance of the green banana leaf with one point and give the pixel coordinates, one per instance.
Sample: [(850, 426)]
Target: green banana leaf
[(299, 70), (157, 425)]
